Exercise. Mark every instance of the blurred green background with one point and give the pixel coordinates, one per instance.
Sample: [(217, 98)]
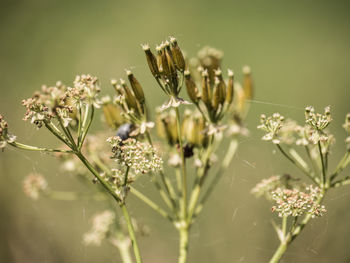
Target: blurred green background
[(299, 52)]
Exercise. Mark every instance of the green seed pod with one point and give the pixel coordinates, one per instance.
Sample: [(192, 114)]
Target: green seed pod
[(247, 83), (230, 88), (191, 87), (178, 56), (151, 60), (136, 87)]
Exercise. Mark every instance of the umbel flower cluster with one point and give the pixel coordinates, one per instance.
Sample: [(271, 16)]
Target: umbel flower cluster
[(61, 102), (294, 202), (140, 157), (191, 127)]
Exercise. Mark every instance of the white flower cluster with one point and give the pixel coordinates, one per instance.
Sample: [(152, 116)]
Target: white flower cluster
[(293, 202), (100, 227), (141, 157), (33, 184), (85, 90), (272, 126), (5, 137)]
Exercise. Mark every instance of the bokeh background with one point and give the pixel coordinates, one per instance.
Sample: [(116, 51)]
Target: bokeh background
[(299, 52)]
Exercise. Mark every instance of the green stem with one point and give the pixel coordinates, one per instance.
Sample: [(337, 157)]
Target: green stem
[(39, 149), (150, 203), (123, 246), (322, 162), (224, 165), (86, 129), (341, 182), (53, 129), (183, 246), (183, 165), (294, 232), (131, 233), (279, 253), (72, 196), (342, 164), (284, 226), (307, 172)]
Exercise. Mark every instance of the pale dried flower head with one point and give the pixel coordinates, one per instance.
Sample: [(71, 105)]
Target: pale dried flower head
[(100, 227), (33, 184), (266, 186)]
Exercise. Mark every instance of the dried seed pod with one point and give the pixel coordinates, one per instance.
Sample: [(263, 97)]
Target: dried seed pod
[(169, 57), (247, 83), (191, 87), (164, 61), (216, 98), (219, 81), (230, 88), (206, 92), (129, 97), (177, 54), (159, 59), (112, 114), (151, 60), (136, 87)]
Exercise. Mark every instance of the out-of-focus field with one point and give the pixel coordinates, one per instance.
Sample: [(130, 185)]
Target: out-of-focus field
[(299, 52)]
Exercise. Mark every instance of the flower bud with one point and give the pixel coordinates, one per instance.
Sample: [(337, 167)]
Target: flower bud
[(151, 60), (192, 90), (136, 87), (177, 54)]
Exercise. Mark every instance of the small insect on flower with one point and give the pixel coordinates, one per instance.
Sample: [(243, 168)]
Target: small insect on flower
[(124, 131)]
